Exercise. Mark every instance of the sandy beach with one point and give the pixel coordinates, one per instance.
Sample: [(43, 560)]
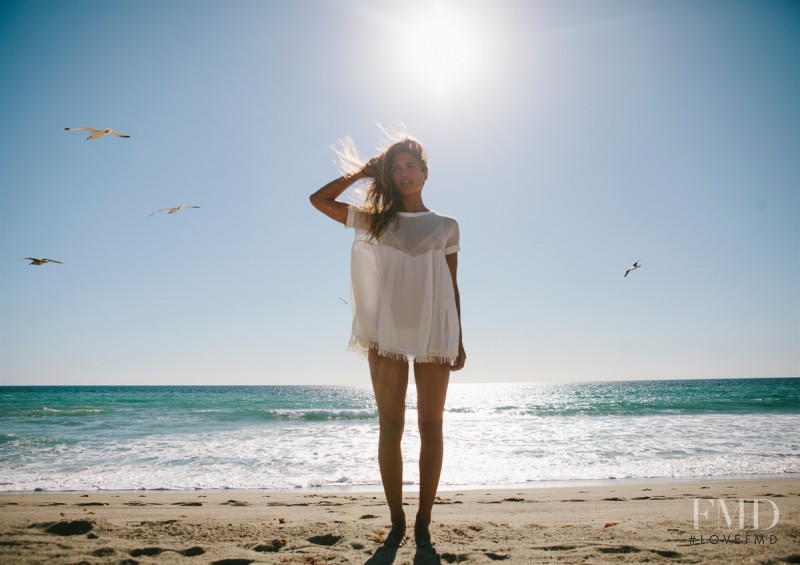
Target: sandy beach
[(619, 523)]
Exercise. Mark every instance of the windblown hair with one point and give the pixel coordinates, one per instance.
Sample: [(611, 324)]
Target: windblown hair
[(381, 200)]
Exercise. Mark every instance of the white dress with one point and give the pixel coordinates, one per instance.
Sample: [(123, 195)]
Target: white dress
[(401, 290)]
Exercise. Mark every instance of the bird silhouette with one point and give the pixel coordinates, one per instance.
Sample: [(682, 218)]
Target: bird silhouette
[(98, 133), (34, 261), (173, 210), (633, 267)]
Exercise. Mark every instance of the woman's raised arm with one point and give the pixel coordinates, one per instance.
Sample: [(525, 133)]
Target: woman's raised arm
[(325, 201)]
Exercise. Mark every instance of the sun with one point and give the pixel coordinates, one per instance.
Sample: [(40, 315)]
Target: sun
[(443, 45)]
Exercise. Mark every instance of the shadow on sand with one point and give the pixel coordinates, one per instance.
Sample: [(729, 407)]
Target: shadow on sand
[(386, 555), (426, 556)]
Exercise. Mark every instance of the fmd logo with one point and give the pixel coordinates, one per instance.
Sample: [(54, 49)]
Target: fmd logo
[(711, 512)]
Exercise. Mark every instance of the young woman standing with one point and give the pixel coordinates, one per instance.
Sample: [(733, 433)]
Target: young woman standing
[(406, 308)]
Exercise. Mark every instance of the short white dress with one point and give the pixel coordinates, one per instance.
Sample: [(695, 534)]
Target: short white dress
[(401, 290)]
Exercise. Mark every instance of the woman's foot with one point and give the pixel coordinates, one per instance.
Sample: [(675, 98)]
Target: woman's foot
[(396, 534), (422, 535)]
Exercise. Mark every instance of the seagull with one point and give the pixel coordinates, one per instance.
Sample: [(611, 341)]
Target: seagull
[(633, 267), (98, 133), (343, 300), (34, 261), (174, 210)]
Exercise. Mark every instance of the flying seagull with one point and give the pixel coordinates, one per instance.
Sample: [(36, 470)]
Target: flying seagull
[(174, 210), (98, 133), (343, 300), (633, 267), (34, 261)]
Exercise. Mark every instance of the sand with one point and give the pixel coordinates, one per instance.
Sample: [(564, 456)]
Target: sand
[(608, 523)]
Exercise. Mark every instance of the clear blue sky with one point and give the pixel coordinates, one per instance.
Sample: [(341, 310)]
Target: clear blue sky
[(569, 138)]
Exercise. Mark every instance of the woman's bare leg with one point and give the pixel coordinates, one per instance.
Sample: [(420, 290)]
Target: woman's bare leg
[(431, 380), (390, 382)]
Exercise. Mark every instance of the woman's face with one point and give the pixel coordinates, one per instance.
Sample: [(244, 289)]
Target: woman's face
[(407, 174)]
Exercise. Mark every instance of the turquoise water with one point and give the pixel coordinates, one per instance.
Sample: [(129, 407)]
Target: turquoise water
[(120, 438)]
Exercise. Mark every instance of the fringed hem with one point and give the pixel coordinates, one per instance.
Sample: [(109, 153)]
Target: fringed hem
[(398, 354)]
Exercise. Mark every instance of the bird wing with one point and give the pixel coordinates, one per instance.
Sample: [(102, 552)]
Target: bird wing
[(52, 261), (28, 259), (187, 206), (157, 211), (112, 132), (93, 131), (626, 273)]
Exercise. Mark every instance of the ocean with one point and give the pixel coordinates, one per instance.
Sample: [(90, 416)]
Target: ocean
[(324, 438)]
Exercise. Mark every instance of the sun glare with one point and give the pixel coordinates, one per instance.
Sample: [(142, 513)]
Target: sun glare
[(443, 45)]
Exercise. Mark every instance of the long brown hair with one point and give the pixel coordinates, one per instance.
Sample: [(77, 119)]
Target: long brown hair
[(380, 199)]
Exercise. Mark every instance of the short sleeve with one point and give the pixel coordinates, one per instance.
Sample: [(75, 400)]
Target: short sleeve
[(351, 217), (452, 242), (356, 219)]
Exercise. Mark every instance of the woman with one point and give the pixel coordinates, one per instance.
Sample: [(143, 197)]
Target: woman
[(406, 308)]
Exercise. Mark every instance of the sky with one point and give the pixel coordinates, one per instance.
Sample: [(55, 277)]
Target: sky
[(569, 138)]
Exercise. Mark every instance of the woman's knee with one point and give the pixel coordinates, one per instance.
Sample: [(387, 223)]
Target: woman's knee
[(430, 429), (391, 429)]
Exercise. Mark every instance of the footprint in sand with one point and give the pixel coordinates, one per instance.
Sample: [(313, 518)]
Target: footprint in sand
[(272, 547), (154, 551), (454, 557), (327, 540), (146, 551), (667, 553), (619, 549), (73, 528)]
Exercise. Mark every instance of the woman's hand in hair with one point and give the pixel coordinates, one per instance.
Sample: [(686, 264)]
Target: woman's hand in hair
[(370, 170)]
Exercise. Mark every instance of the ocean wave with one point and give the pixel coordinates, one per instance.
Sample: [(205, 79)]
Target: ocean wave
[(284, 437), (47, 412), (773, 406), (255, 415), (313, 415)]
